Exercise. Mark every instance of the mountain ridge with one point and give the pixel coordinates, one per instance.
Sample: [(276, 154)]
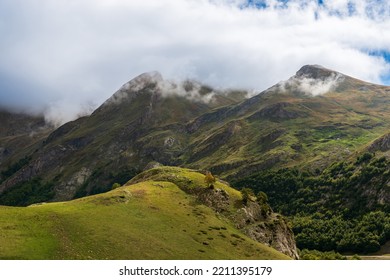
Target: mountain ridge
[(316, 127), (153, 122), (19, 131)]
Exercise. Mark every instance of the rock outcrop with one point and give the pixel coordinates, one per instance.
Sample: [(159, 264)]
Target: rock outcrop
[(266, 227), (381, 144), (262, 226)]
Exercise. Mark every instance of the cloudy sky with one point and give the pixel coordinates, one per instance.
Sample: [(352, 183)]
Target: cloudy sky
[(67, 56)]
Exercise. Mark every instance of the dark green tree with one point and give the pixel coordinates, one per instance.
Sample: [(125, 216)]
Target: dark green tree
[(247, 195)]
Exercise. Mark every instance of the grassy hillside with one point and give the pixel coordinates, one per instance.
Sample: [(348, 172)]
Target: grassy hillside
[(282, 129), (150, 219)]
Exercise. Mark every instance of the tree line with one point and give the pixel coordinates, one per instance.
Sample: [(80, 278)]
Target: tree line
[(340, 208)]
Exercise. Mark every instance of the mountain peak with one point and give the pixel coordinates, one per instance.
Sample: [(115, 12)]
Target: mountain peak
[(130, 89), (142, 80), (315, 72), (311, 80)]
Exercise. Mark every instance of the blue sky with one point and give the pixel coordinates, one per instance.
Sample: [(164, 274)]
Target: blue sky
[(64, 57), (385, 55)]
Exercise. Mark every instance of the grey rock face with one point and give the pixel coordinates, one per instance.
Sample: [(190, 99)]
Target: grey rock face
[(270, 228), (267, 228), (381, 144)]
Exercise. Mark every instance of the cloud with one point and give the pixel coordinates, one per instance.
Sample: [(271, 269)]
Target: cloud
[(192, 90), (64, 54), (318, 87), (311, 86)]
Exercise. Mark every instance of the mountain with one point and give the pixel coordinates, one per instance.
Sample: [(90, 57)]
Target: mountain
[(19, 134), (315, 118), (317, 144), (163, 213), (143, 121)]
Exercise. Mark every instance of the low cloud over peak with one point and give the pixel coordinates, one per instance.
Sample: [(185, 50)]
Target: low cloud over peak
[(314, 86), (190, 89)]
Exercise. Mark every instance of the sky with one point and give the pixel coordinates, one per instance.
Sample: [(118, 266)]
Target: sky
[(66, 57)]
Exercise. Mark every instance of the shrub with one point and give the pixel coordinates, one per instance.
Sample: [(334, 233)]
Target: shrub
[(209, 179), (262, 197), (247, 194), (115, 186), (364, 158)]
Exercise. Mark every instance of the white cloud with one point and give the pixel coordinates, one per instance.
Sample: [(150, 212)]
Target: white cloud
[(311, 86), (191, 90), (78, 52)]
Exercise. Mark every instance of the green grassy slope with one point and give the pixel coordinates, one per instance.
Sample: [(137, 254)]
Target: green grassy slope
[(283, 129), (145, 220)]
